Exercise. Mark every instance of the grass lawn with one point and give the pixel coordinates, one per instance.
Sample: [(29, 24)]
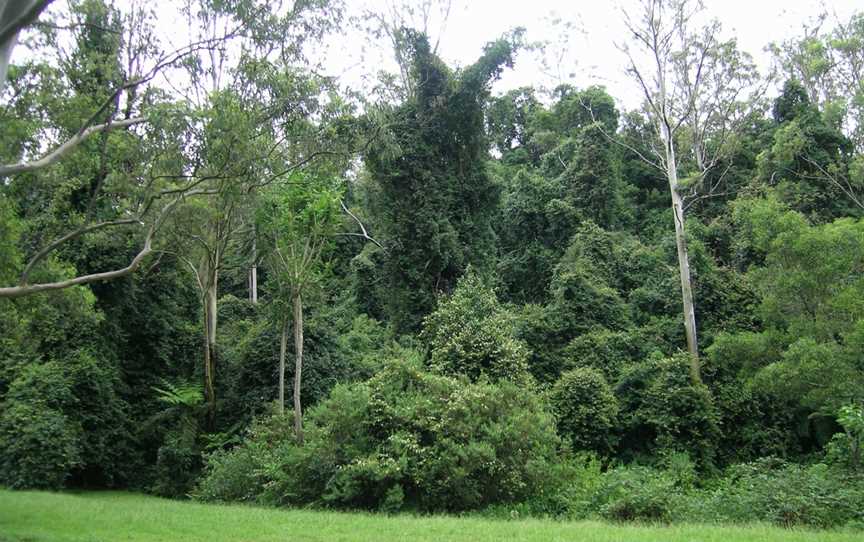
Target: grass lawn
[(115, 516)]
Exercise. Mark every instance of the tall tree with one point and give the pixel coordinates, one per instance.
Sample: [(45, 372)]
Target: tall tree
[(829, 64), (695, 88), (297, 220), (434, 198)]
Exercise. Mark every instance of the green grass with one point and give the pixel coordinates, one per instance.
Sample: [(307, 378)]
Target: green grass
[(114, 516)]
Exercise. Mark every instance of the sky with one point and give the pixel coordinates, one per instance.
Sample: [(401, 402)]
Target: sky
[(582, 33), (587, 49)]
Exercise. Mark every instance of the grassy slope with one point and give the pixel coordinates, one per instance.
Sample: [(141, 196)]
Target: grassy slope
[(114, 516)]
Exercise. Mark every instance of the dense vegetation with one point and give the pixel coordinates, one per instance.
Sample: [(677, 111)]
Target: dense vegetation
[(264, 287)]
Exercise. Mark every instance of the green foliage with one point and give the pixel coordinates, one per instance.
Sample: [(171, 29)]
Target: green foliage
[(75, 402), (471, 334), (608, 351), (807, 158), (811, 286), (183, 394), (178, 459), (771, 490), (40, 446), (663, 410), (846, 448), (637, 493), (409, 439), (434, 199), (239, 475), (586, 410)]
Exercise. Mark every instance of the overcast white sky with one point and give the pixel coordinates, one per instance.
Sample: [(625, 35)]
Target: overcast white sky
[(592, 56), (589, 52)]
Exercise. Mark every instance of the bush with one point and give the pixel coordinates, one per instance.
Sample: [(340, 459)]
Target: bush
[(661, 406), (62, 424), (846, 448), (406, 439), (39, 446), (785, 494), (586, 410), (178, 460), (643, 493), (238, 475), (607, 351), (471, 334)]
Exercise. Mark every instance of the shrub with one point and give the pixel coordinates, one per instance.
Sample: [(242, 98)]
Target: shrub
[(471, 334), (847, 448), (607, 351), (238, 475), (39, 446), (586, 410), (644, 493), (405, 439), (661, 406), (771, 490), (178, 460)]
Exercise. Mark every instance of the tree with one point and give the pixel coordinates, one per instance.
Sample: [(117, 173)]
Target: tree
[(471, 334), (810, 163), (829, 64), (695, 87), (396, 24), (586, 409), (811, 283), (434, 198), (15, 15), (298, 221), (129, 102)]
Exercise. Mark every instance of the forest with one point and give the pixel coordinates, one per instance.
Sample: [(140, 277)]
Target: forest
[(226, 276)]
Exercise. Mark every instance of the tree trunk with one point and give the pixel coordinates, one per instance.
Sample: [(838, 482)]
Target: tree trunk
[(683, 259), (210, 318), (253, 274), (5, 58), (283, 348), (298, 366)]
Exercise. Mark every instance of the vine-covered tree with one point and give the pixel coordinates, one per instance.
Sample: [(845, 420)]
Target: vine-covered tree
[(434, 198)]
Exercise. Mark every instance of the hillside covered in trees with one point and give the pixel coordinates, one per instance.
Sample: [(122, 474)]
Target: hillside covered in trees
[(226, 276)]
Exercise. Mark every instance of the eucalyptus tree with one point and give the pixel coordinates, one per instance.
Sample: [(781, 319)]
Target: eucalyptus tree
[(396, 24), (297, 221), (696, 88), (15, 15), (141, 191), (829, 64)]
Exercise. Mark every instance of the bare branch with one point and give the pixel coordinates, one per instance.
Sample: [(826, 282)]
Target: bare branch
[(28, 289), (68, 237), (365, 234), (66, 148), (19, 291), (845, 186)]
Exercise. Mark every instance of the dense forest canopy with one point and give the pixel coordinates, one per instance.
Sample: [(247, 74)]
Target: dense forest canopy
[(225, 275)]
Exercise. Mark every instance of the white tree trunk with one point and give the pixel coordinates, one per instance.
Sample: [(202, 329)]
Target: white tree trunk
[(683, 258), (298, 366), (5, 57), (253, 271), (283, 349), (210, 323)]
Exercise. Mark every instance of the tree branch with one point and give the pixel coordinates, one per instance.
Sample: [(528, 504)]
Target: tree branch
[(365, 234), (66, 148), (24, 19), (68, 237), (22, 290)]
